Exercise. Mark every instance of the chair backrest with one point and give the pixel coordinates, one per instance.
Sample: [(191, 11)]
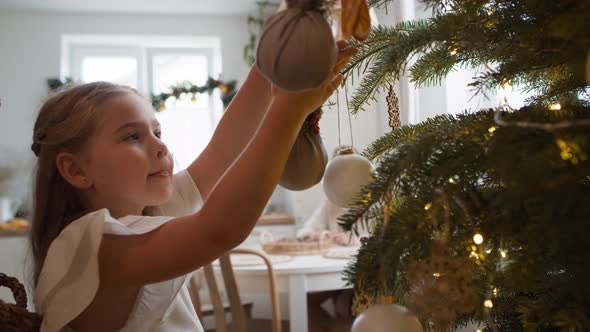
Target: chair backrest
[(239, 318)]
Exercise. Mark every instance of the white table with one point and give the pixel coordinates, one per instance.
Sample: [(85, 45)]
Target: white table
[(297, 277)]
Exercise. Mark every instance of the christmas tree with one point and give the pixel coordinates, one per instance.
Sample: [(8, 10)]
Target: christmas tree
[(483, 216)]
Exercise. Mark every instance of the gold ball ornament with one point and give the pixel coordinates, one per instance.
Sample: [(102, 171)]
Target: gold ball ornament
[(345, 176), (386, 318), (441, 287)]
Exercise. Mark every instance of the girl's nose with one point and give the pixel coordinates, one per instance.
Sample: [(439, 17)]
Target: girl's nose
[(161, 149), (162, 153)]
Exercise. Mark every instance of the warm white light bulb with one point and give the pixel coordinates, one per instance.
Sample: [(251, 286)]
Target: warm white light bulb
[(478, 238)]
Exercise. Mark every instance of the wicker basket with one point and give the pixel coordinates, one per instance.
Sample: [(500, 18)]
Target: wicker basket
[(293, 247), (16, 317)]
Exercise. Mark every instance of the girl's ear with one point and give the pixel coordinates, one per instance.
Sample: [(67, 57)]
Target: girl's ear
[(71, 169)]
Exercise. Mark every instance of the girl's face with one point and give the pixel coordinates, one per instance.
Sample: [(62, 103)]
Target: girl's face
[(127, 163)]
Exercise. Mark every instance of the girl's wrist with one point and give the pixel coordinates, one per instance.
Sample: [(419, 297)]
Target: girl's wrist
[(290, 108)]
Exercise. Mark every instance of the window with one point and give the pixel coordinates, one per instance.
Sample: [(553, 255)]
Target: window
[(152, 66), (115, 64), (187, 123)]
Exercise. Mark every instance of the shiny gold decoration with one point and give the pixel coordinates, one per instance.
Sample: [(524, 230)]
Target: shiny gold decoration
[(355, 20), (441, 287), (393, 109), (571, 151)]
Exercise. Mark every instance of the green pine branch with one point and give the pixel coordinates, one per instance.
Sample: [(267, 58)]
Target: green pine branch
[(500, 35), (382, 58), (383, 146)]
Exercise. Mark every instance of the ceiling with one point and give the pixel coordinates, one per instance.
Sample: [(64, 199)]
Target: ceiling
[(204, 7)]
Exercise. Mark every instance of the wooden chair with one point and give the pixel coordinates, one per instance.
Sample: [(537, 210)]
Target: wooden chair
[(240, 312)]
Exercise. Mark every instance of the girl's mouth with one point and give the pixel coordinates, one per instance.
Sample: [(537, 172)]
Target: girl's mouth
[(163, 174)]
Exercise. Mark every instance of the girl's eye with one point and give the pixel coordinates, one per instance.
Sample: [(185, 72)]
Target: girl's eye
[(158, 134), (132, 137)]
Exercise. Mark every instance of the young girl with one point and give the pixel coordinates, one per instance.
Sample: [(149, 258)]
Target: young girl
[(115, 235)]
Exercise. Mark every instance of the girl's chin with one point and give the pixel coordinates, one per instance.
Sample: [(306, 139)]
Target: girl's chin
[(159, 196)]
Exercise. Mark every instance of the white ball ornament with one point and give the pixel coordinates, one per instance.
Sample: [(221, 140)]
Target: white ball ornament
[(345, 175), (386, 318)]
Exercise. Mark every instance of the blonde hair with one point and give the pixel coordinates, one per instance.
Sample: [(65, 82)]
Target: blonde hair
[(65, 122)]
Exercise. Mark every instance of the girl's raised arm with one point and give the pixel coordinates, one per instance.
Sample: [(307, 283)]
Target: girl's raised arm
[(236, 128)]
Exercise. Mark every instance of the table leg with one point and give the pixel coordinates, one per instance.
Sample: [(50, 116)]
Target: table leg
[(298, 303)]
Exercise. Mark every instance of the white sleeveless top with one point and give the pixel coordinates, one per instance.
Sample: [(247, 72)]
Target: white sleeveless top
[(69, 278)]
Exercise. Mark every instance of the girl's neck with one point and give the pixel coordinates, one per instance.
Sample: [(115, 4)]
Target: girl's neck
[(118, 212)]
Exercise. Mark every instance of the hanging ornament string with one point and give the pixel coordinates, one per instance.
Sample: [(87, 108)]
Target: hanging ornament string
[(338, 115), (349, 117), (387, 200), (348, 111)]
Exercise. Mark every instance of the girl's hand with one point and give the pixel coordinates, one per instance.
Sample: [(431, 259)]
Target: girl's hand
[(309, 100)]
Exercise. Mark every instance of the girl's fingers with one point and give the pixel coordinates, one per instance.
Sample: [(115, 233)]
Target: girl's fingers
[(341, 44), (344, 55), (333, 85), (343, 59)]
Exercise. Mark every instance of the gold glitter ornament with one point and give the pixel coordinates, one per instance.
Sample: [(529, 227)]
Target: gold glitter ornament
[(441, 287), (393, 109)]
